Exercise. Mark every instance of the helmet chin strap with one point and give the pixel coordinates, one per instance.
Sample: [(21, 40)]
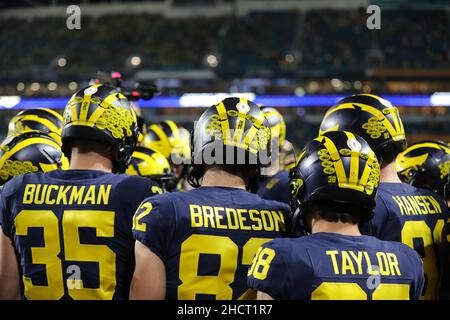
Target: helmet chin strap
[(299, 225)]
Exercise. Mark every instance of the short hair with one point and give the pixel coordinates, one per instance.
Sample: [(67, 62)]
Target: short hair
[(86, 146), (245, 171), (333, 211)]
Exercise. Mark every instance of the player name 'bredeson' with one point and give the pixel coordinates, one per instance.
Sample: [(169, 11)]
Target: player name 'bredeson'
[(236, 219), (52, 194)]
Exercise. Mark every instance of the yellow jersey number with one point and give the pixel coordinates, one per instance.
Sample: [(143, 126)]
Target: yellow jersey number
[(420, 230), (102, 221), (197, 244)]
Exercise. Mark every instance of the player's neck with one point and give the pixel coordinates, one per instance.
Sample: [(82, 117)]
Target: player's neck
[(389, 174), (220, 178), (90, 161), (348, 229)]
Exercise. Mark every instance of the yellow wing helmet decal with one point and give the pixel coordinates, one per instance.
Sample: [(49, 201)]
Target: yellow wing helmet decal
[(255, 139), (404, 163), (364, 179), (10, 168), (164, 144), (17, 125), (378, 125), (147, 165)]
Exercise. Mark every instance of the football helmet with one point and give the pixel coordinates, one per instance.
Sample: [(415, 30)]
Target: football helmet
[(233, 132), (338, 167), (151, 164), (425, 165), (163, 137), (277, 126), (42, 119), (373, 118), (31, 151), (101, 113)]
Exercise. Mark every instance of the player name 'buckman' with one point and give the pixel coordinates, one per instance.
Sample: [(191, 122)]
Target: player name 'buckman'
[(236, 219), (53, 194)]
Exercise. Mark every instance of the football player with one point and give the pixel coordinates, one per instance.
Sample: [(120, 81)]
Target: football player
[(66, 234), (42, 119), (274, 183), (426, 165), (199, 244), (334, 186), (31, 151), (173, 142), (151, 164), (403, 212)]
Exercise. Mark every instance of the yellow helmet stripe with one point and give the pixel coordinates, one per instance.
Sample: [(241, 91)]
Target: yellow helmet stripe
[(50, 125), (354, 161), (53, 112), (393, 111), (366, 172), (45, 167), (240, 123), (104, 104), (160, 133), (427, 145), (174, 128), (25, 143), (373, 111), (84, 109), (254, 129), (336, 159), (73, 110), (225, 125)]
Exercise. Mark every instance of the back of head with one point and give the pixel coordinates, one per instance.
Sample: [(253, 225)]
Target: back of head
[(31, 151), (233, 135), (337, 173), (42, 119), (425, 165), (373, 118), (101, 114)]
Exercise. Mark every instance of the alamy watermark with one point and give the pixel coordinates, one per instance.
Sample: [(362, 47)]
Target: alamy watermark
[(373, 22), (73, 21)]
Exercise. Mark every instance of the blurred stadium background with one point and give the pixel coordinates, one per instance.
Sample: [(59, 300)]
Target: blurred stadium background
[(300, 56)]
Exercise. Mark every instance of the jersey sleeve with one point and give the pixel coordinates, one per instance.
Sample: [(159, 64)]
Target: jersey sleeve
[(419, 277), (3, 218), (268, 272), (154, 225), (135, 189), (6, 220)]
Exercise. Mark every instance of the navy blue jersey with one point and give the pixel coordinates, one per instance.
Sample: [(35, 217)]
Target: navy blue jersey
[(444, 259), (207, 237), (275, 187), (72, 231), (329, 266), (415, 217)]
